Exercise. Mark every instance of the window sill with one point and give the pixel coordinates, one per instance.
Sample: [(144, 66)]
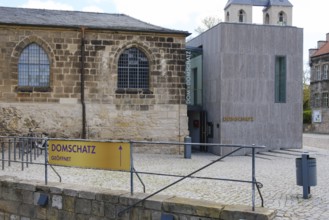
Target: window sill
[(31, 89), (134, 91)]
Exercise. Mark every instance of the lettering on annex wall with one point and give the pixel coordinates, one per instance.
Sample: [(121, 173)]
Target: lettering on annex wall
[(98, 155), (238, 119), (188, 78)]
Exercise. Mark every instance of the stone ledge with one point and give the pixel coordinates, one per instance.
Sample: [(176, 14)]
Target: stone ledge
[(245, 212), (117, 200), (192, 207)]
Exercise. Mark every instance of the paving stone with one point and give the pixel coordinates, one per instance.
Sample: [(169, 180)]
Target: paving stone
[(277, 173)]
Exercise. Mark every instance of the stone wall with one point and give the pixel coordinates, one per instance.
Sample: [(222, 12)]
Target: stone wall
[(162, 123), (323, 126), (319, 87), (19, 199), (158, 114)]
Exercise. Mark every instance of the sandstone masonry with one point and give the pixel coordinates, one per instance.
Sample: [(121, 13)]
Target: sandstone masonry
[(159, 114), (20, 199)]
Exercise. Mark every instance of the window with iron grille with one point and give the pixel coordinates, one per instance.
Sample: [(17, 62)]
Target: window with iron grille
[(318, 73), (325, 102), (317, 98), (33, 67), (313, 74), (325, 71), (133, 70)]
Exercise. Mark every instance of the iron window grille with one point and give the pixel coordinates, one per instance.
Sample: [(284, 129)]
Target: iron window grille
[(33, 67), (317, 98), (325, 99), (133, 70), (325, 71), (318, 73)]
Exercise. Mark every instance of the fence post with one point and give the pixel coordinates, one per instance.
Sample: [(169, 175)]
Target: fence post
[(187, 147), (253, 179), (131, 169), (22, 152), (31, 149), (9, 152), (3, 155), (15, 149), (27, 151), (46, 163), (20, 148)]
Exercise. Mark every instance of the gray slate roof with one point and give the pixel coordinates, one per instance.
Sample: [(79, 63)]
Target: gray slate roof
[(265, 3), (57, 18)]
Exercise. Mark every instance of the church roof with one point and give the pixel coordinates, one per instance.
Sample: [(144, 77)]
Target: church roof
[(77, 19), (322, 50), (265, 3), (280, 3)]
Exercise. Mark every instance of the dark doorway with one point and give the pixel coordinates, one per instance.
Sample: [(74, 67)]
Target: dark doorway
[(198, 129)]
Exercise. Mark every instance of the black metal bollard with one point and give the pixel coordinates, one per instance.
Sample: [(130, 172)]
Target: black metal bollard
[(187, 147)]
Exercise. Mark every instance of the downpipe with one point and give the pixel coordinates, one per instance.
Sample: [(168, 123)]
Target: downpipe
[(83, 135)]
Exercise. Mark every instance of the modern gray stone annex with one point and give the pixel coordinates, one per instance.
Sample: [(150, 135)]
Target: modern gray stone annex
[(252, 84)]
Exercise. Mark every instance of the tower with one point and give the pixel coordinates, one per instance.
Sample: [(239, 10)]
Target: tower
[(275, 12), (278, 12)]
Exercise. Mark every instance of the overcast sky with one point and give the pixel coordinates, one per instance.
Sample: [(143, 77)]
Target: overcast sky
[(186, 15)]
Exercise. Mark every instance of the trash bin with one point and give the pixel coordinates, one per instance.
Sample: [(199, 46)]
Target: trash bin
[(306, 173)]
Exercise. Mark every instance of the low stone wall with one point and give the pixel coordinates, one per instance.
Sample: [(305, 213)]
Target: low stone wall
[(20, 200)]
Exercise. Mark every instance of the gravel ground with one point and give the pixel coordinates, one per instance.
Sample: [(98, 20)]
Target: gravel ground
[(275, 170)]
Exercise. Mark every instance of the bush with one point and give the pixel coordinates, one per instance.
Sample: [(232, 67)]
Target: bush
[(307, 117)]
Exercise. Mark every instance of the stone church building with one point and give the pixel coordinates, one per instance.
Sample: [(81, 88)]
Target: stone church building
[(91, 75)]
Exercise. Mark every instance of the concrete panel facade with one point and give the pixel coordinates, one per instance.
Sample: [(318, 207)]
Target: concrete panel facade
[(239, 80)]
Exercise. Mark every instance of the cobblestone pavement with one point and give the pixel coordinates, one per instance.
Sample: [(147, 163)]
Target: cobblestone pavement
[(276, 170)]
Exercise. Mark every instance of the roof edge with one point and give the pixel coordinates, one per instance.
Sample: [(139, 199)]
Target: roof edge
[(165, 31)]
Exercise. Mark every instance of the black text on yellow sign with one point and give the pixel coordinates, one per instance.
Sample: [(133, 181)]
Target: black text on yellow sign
[(98, 155)]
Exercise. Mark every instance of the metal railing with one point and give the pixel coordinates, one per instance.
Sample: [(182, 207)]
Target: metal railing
[(253, 181), (25, 150)]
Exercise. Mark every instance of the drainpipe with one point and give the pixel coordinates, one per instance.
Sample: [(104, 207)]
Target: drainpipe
[(83, 83)]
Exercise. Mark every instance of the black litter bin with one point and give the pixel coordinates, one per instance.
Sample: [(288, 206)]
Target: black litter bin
[(306, 173)]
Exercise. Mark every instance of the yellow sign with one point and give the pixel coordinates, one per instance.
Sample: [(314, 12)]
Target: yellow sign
[(99, 155)]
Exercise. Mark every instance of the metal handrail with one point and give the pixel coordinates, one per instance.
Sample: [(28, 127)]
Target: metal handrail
[(177, 181), (254, 183), (140, 179), (259, 185)]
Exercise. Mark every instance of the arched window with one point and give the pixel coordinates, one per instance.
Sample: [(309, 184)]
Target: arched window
[(33, 67), (227, 16), (267, 18), (133, 70), (282, 18), (242, 16)]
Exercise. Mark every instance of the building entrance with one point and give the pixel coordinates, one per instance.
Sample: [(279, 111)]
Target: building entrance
[(198, 129)]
